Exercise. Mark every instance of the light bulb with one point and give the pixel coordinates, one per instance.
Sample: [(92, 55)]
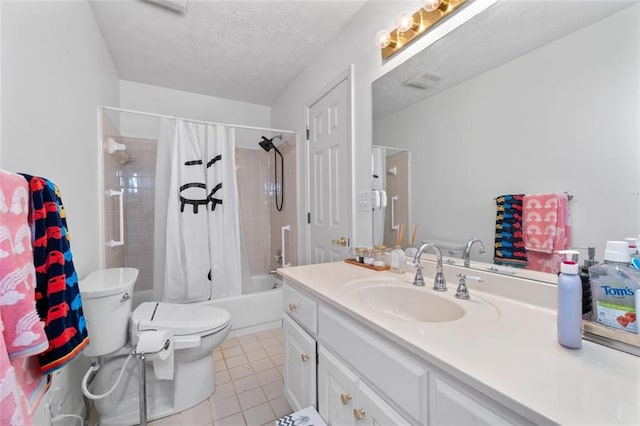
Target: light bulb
[(431, 5), (383, 39), (404, 22)]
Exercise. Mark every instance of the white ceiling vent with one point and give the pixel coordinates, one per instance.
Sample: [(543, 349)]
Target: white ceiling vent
[(175, 6), (423, 81)]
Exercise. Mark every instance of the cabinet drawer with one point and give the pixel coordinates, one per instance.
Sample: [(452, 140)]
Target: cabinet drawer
[(391, 371), (454, 403), (301, 308)]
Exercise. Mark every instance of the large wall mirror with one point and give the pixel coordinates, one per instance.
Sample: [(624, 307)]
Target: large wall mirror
[(527, 97)]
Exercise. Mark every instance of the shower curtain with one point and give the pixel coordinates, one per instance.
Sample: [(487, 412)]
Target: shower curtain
[(202, 259)]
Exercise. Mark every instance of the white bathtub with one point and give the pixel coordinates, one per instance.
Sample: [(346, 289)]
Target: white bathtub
[(258, 308)]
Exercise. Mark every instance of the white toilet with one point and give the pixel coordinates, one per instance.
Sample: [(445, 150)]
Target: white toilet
[(114, 330)]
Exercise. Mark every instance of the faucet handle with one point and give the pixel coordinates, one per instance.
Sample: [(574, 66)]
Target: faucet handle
[(462, 292), (418, 279)]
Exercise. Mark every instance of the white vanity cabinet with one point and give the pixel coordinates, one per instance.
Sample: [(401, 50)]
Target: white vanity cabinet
[(364, 378), (300, 357), (398, 378), (343, 399)]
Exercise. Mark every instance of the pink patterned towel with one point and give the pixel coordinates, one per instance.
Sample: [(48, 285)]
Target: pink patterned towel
[(22, 331), (546, 229), (13, 404)]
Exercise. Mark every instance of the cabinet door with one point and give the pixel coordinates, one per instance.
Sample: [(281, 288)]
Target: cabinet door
[(371, 410), (336, 389), (299, 366)]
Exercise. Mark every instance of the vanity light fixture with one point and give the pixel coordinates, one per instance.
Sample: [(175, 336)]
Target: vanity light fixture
[(410, 26)]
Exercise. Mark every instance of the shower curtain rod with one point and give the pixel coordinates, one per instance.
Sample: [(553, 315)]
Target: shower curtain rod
[(172, 117)]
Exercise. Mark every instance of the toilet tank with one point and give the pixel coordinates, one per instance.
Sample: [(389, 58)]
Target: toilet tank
[(106, 302)]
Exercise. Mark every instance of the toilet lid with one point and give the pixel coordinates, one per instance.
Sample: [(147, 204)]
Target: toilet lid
[(182, 319)]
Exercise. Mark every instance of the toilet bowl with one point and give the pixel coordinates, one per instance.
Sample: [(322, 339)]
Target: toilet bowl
[(196, 331)]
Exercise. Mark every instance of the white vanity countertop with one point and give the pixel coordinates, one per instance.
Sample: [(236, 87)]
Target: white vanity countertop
[(514, 358)]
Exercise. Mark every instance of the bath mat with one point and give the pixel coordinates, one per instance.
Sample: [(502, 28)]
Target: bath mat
[(305, 417)]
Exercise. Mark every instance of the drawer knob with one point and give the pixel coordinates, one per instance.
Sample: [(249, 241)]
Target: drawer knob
[(293, 306), (304, 357), (345, 398), (358, 413)]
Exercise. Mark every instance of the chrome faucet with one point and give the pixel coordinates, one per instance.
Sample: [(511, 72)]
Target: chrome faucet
[(439, 283), (467, 250)]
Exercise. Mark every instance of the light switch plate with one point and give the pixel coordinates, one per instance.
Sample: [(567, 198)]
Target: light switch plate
[(364, 201)]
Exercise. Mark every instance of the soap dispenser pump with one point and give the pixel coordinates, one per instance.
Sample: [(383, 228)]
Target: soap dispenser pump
[(569, 301)]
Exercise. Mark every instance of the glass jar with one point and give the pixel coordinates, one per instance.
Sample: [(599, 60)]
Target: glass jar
[(378, 258), (368, 257), (360, 253)]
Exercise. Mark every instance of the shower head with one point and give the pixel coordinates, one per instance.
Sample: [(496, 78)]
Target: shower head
[(267, 144)]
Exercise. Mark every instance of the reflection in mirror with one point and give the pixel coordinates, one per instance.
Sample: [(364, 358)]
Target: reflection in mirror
[(523, 104), (391, 199)]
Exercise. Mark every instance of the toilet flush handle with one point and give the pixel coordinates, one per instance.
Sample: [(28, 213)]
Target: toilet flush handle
[(125, 297)]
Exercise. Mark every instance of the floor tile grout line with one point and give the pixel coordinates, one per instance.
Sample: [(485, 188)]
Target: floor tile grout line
[(260, 385)]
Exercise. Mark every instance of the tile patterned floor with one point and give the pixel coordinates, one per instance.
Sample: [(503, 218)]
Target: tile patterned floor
[(248, 385)]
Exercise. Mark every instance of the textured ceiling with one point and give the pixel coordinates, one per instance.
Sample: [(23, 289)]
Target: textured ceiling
[(505, 31), (246, 50)]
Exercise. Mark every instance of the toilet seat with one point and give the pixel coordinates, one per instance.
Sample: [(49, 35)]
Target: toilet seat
[(181, 319)]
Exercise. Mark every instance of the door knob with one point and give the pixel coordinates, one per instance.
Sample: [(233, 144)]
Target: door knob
[(304, 357), (342, 241), (345, 398), (358, 413)]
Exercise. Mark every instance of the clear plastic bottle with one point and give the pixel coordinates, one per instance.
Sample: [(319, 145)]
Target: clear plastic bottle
[(398, 260), (614, 285), (569, 301)]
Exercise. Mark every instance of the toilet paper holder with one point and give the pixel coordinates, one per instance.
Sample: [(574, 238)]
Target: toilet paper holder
[(141, 352)]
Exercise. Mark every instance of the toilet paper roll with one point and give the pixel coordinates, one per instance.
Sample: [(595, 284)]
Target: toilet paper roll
[(152, 344)]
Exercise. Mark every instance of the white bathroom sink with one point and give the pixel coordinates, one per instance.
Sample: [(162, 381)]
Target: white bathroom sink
[(410, 303), (398, 299)]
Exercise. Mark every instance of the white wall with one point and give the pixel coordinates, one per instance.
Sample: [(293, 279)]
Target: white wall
[(561, 118), (161, 100), (56, 70), (355, 46)]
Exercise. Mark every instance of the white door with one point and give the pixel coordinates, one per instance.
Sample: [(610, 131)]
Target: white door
[(329, 146), (300, 366)]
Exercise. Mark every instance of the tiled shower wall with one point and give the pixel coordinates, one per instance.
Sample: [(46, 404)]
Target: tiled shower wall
[(288, 215), (114, 257), (397, 187), (137, 179), (260, 220), (252, 167), (139, 182)]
